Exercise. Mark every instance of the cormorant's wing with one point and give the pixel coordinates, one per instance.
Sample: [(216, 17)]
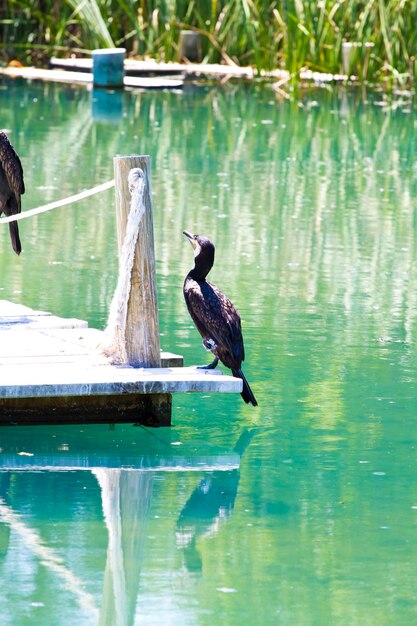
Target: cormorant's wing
[(12, 168), (216, 318)]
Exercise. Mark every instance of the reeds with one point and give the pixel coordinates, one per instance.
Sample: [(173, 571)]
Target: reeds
[(285, 34)]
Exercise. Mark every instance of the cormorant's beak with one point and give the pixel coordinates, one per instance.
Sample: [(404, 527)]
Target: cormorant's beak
[(190, 237)]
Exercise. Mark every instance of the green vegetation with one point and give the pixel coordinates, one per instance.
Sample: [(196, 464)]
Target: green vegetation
[(285, 34)]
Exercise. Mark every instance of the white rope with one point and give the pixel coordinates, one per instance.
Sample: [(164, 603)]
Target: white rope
[(114, 343), (58, 203)]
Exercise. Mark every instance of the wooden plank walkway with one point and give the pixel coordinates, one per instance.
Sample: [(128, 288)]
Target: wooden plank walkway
[(146, 68), (52, 370), (154, 75), (81, 77), (198, 70)]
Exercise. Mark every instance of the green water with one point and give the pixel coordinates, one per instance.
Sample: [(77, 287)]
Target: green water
[(302, 512)]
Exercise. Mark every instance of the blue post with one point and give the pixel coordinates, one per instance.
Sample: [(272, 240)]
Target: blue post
[(108, 67)]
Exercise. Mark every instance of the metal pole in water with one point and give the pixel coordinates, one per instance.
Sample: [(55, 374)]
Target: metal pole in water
[(142, 326), (108, 67)]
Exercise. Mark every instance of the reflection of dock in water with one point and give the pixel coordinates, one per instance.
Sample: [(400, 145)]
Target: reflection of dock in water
[(91, 447), (126, 495)]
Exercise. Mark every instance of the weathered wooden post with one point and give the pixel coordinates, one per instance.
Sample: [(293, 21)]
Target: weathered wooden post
[(132, 333), (142, 326), (189, 46)]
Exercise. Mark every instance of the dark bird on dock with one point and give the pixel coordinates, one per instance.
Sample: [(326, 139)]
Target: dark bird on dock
[(214, 315), (11, 186)]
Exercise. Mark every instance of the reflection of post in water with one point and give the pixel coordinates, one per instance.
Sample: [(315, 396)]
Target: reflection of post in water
[(107, 106), (126, 497), (209, 506)]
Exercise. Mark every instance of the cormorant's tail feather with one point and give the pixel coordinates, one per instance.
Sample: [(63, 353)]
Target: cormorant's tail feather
[(14, 236), (246, 392)]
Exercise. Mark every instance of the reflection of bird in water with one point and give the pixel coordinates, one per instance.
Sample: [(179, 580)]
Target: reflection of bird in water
[(11, 187), (214, 315), (209, 506)]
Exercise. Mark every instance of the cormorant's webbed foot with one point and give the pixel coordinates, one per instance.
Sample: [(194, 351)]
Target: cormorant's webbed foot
[(211, 365)]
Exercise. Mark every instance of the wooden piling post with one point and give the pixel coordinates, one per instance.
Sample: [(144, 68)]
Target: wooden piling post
[(142, 327), (189, 47)]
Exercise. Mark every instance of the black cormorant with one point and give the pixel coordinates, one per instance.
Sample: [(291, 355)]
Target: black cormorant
[(11, 186), (214, 315)]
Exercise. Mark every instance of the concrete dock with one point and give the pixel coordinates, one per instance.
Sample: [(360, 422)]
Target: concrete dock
[(53, 371)]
